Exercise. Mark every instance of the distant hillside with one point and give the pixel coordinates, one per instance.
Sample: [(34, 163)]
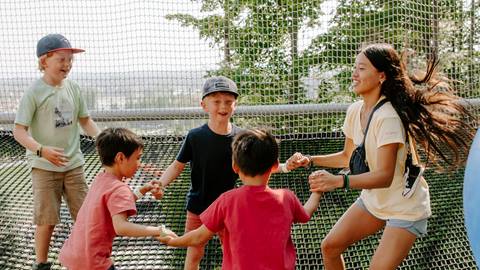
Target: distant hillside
[(120, 90)]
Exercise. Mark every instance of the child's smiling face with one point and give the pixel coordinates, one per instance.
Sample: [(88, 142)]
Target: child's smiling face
[(219, 106), (57, 66)]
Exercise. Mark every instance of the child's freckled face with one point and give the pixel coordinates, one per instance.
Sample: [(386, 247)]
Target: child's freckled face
[(58, 65)]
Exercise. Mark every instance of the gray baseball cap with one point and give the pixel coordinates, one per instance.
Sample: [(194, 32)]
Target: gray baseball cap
[(54, 42), (219, 84)]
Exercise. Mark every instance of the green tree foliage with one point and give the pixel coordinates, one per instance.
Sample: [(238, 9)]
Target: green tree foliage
[(443, 29), (259, 39)]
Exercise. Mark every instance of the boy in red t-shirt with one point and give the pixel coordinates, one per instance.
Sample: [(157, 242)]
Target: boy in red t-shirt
[(257, 219), (108, 204)]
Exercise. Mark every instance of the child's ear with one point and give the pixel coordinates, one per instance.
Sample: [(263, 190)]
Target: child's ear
[(43, 62), (275, 166), (235, 167), (204, 107), (119, 157)]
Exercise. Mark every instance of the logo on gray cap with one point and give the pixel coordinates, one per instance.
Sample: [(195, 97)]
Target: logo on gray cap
[(219, 84)]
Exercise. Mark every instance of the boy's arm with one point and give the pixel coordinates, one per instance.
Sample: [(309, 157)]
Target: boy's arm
[(312, 203), (172, 172), (53, 154), (193, 238), (20, 133), (89, 126), (157, 187), (125, 228)]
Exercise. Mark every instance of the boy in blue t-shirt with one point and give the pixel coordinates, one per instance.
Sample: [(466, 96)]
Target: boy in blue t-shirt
[(208, 149)]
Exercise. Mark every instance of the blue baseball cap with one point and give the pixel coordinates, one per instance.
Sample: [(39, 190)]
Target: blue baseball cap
[(219, 84), (54, 42)]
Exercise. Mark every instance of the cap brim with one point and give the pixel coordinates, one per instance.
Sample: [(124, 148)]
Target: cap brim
[(221, 90), (73, 50)]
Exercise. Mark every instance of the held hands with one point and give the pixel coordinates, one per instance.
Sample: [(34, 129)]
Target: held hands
[(297, 160), (155, 187), (55, 155), (324, 181), (165, 235)]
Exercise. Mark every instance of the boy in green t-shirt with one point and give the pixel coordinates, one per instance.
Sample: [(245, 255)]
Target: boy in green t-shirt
[(46, 124)]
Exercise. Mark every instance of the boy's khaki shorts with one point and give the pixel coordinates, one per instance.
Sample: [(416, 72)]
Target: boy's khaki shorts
[(48, 189)]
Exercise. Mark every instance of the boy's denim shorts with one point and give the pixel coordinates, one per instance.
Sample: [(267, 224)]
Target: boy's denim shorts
[(418, 228), (48, 189)]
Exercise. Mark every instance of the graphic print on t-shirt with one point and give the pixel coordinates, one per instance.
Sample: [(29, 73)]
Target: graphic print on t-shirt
[(63, 114)]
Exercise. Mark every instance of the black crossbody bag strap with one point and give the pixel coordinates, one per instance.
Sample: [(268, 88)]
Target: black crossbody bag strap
[(379, 104), (358, 161)]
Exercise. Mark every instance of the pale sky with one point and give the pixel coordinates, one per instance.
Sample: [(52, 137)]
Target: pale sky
[(118, 35)]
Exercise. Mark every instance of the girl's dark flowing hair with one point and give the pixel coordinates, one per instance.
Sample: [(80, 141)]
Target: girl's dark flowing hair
[(432, 114)]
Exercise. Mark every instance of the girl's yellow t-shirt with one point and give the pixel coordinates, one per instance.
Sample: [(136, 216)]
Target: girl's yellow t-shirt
[(386, 128)]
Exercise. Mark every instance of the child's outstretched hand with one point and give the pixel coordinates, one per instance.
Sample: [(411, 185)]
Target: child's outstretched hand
[(165, 235), (297, 160)]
